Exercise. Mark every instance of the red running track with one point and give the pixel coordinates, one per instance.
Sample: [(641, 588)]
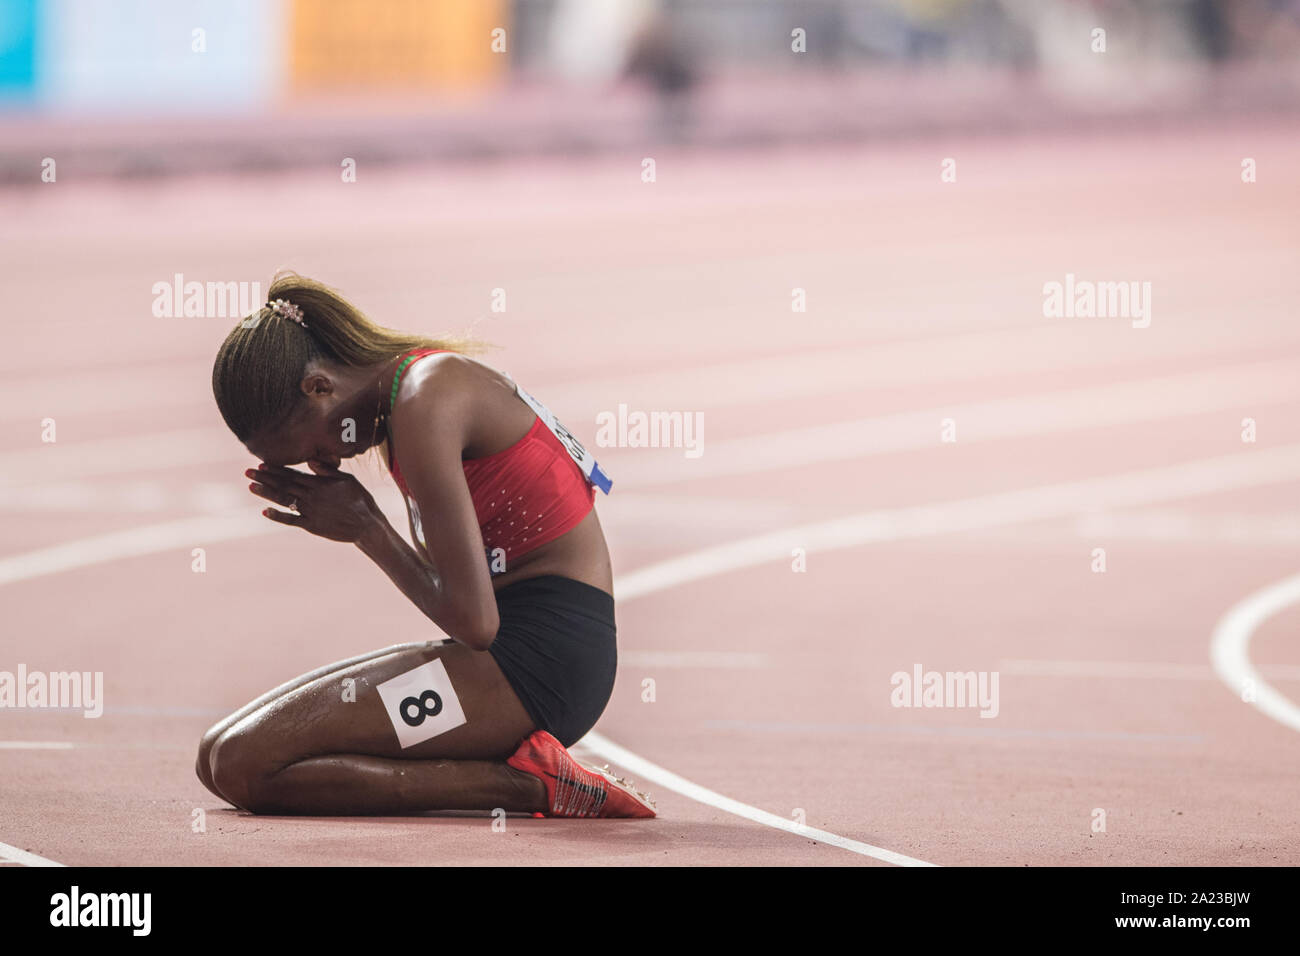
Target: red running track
[(822, 432)]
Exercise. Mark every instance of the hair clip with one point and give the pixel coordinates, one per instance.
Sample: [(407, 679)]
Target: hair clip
[(288, 310)]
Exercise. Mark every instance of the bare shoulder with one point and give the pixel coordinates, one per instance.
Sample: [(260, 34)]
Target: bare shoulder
[(443, 383), (438, 368), (454, 394)]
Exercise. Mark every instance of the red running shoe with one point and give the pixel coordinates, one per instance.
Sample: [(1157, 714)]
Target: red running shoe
[(574, 790)]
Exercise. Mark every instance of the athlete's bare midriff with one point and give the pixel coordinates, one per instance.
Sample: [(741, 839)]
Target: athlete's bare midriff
[(581, 552)]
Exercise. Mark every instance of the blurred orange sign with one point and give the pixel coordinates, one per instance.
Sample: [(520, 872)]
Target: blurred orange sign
[(396, 44)]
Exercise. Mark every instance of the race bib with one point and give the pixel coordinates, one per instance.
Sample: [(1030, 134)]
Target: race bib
[(583, 458), (421, 703)]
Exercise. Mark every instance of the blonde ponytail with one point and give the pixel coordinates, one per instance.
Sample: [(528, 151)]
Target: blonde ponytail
[(258, 369)]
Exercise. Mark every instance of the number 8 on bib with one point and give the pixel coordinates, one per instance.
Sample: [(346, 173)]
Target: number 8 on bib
[(421, 704)]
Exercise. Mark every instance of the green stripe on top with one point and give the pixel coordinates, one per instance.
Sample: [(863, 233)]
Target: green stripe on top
[(397, 379)]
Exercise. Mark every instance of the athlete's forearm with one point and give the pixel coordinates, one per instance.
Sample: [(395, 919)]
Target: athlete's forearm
[(414, 576)]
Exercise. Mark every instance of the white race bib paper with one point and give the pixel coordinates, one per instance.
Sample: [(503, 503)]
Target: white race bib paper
[(583, 458)]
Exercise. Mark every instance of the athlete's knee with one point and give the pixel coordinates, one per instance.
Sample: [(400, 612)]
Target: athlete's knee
[(203, 769), (238, 768), (203, 763)]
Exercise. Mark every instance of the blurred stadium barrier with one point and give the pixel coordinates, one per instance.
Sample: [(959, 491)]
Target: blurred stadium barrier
[(144, 87)]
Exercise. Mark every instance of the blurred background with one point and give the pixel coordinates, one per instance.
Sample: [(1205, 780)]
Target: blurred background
[(132, 87)]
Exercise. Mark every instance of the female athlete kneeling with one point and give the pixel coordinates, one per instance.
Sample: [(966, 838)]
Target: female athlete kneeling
[(511, 563)]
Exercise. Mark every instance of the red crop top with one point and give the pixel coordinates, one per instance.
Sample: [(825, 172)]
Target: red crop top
[(524, 496)]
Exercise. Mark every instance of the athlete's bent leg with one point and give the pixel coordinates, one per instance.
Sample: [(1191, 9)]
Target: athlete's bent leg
[(318, 750), (203, 765)]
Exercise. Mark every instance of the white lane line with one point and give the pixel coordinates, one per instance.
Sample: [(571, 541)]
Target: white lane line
[(644, 769), (1230, 649), (1129, 670), (11, 854), (1189, 479), (940, 359), (1206, 476), (670, 660), (35, 745), (102, 495), (136, 390), (767, 727), (1192, 478), (1257, 528), (71, 460), (918, 360), (131, 543), (1202, 477), (1255, 384), (1140, 400), (706, 512)]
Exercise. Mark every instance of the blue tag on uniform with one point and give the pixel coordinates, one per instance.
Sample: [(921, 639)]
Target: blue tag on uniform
[(584, 459)]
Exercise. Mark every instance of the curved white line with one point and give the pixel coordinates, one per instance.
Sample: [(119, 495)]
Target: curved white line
[(11, 854), (1248, 385), (1230, 649), (131, 543), (1243, 385), (1188, 479), (606, 748)]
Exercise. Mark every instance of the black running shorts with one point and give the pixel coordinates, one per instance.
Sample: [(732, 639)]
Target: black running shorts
[(556, 647)]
